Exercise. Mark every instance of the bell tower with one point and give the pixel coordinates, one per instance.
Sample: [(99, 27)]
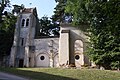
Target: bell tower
[(22, 51)]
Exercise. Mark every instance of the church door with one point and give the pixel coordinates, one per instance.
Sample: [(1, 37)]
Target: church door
[(21, 63)]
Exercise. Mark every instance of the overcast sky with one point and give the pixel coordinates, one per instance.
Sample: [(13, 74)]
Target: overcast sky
[(44, 7)]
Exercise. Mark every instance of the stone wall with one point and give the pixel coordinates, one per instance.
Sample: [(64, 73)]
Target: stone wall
[(46, 52), (70, 51)]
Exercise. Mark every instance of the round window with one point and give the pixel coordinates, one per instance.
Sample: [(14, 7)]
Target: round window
[(42, 57), (77, 57)]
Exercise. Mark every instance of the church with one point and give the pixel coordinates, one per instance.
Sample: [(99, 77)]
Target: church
[(30, 51)]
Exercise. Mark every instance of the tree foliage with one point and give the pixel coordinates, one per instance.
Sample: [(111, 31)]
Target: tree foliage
[(3, 4), (17, 8), (7, 26), (48, 28), (6, 34), (103, 17), (59, 11)]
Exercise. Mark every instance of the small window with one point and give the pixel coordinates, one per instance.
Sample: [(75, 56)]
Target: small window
[(42, 58), (77, 57), (27, 22), (22, 41), (23, 22)]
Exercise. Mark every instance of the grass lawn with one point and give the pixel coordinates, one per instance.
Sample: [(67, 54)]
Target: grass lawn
[(63, 74)]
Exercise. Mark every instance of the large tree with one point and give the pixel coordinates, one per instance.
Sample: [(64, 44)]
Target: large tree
[(103, 19), (59, 11), (48, 28), (6, 35)]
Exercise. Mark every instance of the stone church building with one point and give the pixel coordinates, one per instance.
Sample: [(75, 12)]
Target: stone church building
[(30, 51)]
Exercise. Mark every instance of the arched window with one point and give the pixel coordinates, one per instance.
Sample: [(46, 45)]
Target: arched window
[(27, 22), (23, 22), (78, 46)]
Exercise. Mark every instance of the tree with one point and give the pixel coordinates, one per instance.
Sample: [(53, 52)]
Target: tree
[(78, 8), (3, 4), (17, 8), (47, 28), (6, 35), (103, 19), (7, 26), (59, 11), (44, 24)]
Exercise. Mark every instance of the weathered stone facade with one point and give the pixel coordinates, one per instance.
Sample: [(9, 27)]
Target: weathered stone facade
[(23, 38), (27, 51), (48, 49), (75, 46)]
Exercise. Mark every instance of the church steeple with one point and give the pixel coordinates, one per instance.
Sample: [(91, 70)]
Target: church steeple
[(23, 37)]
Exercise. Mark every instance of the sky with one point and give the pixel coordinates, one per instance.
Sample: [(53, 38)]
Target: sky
[(44, 7)]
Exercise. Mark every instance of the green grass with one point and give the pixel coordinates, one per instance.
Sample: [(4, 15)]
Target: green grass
[(63, 74)]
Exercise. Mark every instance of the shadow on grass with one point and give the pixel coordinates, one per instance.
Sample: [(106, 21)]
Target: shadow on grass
[(35, 75)]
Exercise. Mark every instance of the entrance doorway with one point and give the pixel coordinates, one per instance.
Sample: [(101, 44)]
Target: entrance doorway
[(21, 62)]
